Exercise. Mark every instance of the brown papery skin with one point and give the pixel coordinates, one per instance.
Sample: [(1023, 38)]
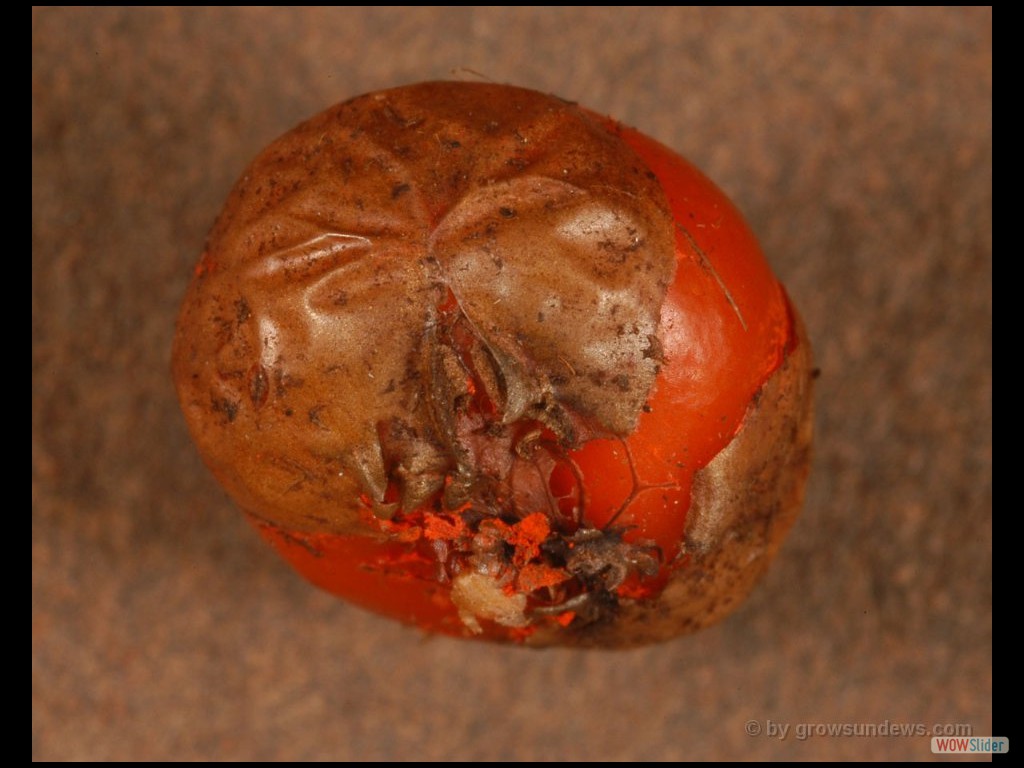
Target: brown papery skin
[(426, 314), (312, 353)]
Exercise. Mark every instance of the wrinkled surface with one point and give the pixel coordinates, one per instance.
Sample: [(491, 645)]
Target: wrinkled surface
[(384, 263)]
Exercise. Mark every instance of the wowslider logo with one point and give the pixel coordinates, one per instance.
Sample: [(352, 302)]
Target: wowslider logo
[(970, 745)]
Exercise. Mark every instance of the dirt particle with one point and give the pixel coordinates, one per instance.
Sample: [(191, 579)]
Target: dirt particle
[(226, 407), (314, 416), (242, 311), (259, 385)]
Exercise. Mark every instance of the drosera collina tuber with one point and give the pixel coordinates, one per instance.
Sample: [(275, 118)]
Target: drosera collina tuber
[(482, 360)]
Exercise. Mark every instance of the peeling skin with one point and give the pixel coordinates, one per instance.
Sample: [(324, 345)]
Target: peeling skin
[(420, 351), (421, 319), (744, 503), (410, 339)]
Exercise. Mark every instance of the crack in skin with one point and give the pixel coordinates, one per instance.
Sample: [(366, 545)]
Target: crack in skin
[(576, 568), (638, 486), (705, 262)]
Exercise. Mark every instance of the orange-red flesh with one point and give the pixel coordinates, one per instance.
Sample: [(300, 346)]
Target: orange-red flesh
[(725, 328)]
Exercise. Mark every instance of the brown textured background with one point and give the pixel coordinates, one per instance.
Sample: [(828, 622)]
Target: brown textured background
[(859, 144)]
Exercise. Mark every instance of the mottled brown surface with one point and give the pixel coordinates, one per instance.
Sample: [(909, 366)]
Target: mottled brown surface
[(315, 359), (859, 145)]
